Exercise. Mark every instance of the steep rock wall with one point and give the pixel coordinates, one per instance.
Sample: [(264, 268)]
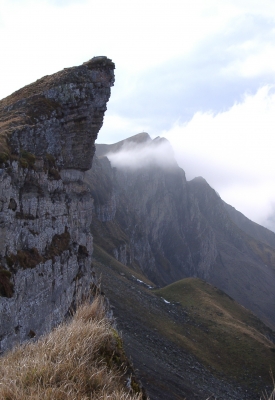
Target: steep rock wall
[(251, 228), (47, 132), (170, 229), (150, 221)]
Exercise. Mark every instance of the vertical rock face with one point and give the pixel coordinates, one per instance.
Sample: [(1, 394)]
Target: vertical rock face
[(156, 218), (157, 222), (47, 133), (146, 227)]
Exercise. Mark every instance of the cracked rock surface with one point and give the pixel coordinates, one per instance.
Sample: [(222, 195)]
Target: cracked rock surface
[(47, 135)]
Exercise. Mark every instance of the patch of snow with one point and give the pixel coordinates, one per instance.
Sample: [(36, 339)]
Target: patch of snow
[(140, 281)]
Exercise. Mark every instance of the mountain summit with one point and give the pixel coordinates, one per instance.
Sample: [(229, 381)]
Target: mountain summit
[(155, 221), (140, 138)]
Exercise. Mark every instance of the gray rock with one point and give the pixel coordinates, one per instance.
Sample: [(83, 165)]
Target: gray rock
[(172, 229), (47, 132)]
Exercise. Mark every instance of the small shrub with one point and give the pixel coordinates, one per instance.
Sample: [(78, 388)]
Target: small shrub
[(12, 205), (82, 252), (26, 160), (49, 158), (27, 258), (9, 261), (3, 157), (30, 258), (54, 174), (23, 163), (59, 244), (6, 286)]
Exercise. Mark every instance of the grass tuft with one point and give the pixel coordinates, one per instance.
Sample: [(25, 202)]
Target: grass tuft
[(59, 244), (6, 286), (26, 160), (269, 397), (69, 363), (27, 258)]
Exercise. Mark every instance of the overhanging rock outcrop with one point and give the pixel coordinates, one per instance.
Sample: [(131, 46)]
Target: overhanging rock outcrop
[(47, 135)]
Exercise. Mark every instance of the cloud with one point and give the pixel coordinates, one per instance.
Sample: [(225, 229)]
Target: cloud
[(132, 155), (138, 36), (55, 34), (65, 3), (179, 65), (213, 76), (116, 128), (255, 201), (233, 150)]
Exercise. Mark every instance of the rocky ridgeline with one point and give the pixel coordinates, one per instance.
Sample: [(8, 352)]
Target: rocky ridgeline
[(47, 135), (155, 221), (151, 220)]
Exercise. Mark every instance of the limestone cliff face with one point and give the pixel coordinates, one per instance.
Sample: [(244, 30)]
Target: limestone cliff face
[(150, 227), (47, 132), (251, 228), (157, 222)]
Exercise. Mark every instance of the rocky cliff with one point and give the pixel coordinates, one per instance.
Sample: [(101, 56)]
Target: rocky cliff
[(47, 134), (152, 219), (253, 229)]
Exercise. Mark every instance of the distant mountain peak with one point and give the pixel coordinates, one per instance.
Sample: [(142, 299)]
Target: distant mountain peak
[(139, 151), (139, 138)]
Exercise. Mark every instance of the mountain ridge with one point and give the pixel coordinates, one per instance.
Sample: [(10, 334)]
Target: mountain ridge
[(175, 343), (138, 223), (171, 228), (153, 228), (258, 231)]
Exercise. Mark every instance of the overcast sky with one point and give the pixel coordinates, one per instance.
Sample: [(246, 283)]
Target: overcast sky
[(200, 73)]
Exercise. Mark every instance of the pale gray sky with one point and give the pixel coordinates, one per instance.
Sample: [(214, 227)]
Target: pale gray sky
[(200, 73)]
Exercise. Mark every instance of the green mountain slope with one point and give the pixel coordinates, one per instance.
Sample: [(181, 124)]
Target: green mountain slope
[(222, 333), (253, 229), (189, 339), (153, 220), (153, 227)]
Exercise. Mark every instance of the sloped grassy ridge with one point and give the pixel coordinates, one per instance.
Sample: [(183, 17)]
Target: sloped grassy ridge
[(82, 359), (223, 334)]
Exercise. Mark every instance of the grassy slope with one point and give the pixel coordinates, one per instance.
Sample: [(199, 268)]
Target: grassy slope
[(228, 339), (102, 256), (220, 332), (80, 360), (262, 250)]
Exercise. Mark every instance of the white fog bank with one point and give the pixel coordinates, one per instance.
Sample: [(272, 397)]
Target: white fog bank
[(234, 151), (157, 152)]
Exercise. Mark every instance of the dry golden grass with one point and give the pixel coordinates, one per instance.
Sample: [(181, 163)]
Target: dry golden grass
[(78, 360), (269, 397)]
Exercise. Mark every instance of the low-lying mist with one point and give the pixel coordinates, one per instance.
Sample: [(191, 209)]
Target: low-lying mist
[(132, 155)]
